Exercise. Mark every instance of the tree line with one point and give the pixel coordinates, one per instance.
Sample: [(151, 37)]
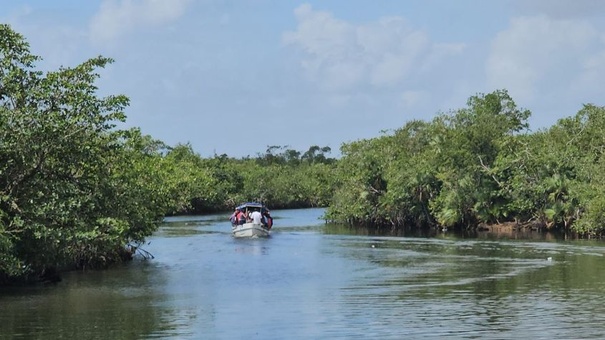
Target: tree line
[(478, 165), (76, 191)]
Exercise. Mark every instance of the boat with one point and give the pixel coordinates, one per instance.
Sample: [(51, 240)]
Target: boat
[(243, 226)]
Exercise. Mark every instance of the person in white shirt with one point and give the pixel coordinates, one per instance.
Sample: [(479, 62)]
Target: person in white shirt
[(256, 217)]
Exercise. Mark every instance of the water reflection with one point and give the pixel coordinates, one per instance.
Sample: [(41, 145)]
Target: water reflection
[(474, 288), (490, 234), (93, 305), (312, 280)]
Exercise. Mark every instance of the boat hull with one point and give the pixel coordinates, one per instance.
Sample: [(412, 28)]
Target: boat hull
[(250, 230)]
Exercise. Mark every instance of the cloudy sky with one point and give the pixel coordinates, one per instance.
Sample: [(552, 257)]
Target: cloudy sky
[(235, 76)]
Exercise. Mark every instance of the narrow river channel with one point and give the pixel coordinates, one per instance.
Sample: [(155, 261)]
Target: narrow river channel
[(312, 281)]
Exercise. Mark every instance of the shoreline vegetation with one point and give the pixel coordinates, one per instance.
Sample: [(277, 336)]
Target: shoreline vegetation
[(77, 192)]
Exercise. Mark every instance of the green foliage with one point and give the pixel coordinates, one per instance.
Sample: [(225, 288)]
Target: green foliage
[(361, 183), (187, 182), (291, 157), (582, 141), (477, 165), (74, 191), (286, 179), (467, 144), (430, 173)]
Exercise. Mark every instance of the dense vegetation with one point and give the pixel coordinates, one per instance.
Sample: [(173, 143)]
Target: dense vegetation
[(76, 191), (479, 164), (281, 178)]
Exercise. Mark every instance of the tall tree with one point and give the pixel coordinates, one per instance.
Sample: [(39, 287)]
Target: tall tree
[(65, 198)]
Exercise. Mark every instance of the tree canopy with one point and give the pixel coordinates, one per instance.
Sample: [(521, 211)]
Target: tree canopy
[(74, 189), (479, 164)]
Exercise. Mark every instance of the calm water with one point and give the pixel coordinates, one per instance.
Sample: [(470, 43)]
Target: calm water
[(312, 281)]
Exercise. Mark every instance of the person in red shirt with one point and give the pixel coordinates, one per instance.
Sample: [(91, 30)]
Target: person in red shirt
[(238, 217)]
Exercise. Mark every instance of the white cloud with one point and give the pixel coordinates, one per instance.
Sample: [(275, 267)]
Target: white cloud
[(590, 81), (339, 100), (532, 49), (118, 17), (413, 98), (561, 8), (53, 38), (340, 56), (439, 53)]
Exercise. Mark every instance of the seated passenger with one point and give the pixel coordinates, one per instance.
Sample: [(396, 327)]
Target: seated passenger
[(256, 217), (267, 219)]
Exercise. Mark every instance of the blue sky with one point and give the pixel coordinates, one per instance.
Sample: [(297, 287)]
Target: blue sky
[(235, 76)]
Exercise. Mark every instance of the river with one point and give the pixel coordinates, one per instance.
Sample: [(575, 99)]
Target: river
[(312, 281)]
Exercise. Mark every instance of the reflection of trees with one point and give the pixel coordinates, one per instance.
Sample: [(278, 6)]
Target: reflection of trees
[(112, 304)]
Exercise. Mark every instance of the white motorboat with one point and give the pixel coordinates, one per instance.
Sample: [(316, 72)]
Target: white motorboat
[(250, 230), (242, 224)]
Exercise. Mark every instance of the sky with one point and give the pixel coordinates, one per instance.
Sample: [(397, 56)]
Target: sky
[(237, 76)]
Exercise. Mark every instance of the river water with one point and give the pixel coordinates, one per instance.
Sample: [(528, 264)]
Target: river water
[(312, 281)]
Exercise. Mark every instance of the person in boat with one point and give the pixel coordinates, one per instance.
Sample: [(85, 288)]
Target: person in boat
[(238, 217), (233, 217), (267, 219), (256, 217), (242, 217)]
